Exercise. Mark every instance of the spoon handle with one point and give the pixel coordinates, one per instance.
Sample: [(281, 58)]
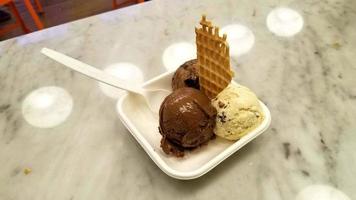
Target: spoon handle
[(89, 71)]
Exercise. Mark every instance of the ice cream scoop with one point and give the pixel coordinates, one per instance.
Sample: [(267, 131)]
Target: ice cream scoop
[(238, 112), (186, 120), (186, 75)]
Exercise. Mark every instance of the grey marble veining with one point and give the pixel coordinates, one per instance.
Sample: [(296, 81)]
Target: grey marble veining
[(308, 82)]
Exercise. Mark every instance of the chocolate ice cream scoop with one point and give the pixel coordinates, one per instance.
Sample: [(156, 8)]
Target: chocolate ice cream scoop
[(186, 75), (186, 120)]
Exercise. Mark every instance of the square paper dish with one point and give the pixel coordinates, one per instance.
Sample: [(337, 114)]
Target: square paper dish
[(143, 125)]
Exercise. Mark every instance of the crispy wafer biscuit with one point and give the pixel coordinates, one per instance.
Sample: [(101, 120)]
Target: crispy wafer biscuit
[(213, 59)]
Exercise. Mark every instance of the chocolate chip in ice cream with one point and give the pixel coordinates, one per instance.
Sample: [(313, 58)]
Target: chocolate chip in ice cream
[(221, 104)]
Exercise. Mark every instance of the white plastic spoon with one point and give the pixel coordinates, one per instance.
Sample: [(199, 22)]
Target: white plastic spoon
[(153, 97)]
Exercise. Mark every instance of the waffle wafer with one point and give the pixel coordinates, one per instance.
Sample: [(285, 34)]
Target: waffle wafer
[(213, 59)]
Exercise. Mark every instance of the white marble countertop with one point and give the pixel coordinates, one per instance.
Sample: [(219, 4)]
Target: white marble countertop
[(307, 80)]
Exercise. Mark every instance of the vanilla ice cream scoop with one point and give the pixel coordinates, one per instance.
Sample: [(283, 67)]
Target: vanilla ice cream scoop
[(238, 112)]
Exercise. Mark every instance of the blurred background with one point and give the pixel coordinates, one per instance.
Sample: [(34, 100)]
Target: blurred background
[(18, 17)]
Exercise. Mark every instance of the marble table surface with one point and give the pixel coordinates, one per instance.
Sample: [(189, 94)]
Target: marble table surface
[(79, 149)]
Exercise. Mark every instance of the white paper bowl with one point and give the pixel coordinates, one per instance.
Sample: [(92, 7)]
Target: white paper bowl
[(143, 125)]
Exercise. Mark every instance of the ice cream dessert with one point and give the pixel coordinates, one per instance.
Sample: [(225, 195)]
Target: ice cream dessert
[(205, 101), (238, 112), (186, 121), (186, 76)]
